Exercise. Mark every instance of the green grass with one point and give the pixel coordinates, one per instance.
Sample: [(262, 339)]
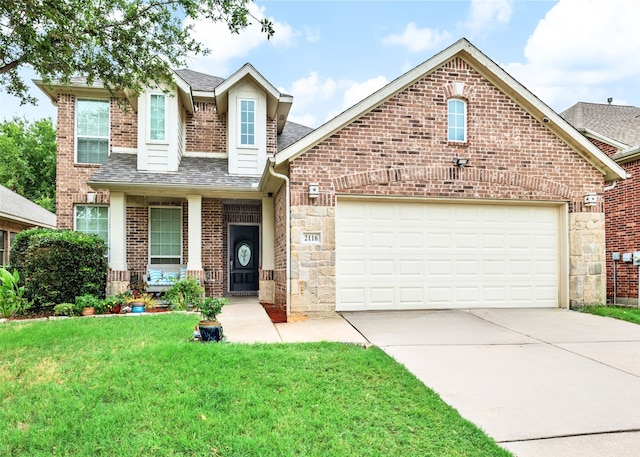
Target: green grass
[(617, 312), (138, 387)]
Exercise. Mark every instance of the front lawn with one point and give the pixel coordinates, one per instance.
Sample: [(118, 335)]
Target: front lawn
[(617, 312), (136, 386)]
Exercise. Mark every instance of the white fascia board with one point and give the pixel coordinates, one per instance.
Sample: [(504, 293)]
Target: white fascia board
[(597, 136), (627, 155), (184, 91)]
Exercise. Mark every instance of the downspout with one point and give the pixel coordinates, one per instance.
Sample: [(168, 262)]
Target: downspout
[(611, 186), (287, 229)]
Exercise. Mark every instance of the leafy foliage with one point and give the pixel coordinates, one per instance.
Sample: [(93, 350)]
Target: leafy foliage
[(122, 43), (211, 307), (28, 160), (184, 293), (59, 265), (64, 309), (12, 300)]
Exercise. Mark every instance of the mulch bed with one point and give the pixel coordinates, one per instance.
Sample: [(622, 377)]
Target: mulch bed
[(277, 313)]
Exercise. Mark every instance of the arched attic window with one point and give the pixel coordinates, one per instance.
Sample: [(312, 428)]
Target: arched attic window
[(457, 120)]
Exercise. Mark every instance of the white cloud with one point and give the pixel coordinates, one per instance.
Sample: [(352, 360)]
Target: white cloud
[(578, 49), (226, 46), (416, 40), (486, 12), (314, 96), (359, 91)]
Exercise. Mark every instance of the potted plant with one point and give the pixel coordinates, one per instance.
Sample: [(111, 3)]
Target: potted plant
[(209, 327), (141, 303), (185, 293), (86, 304)]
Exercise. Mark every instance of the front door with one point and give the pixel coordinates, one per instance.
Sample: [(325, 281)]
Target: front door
[(244, 249)]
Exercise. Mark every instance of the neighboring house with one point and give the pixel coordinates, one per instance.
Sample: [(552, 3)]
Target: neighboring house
[(615, 130), (453, 186), (17, 214)]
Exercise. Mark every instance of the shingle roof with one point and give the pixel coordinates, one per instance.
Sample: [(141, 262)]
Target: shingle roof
[(291, 133), (14, 206), (200, 81), (203, 172), (617, 122)]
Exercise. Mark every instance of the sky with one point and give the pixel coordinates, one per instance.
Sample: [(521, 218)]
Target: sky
[(330, 54)]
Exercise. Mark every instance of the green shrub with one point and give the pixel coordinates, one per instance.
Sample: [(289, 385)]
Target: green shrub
[(58, 265), (184, 293), (65, 309), (211, 307), (12, 300)]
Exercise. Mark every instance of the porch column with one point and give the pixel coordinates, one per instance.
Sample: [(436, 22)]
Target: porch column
[(267, 292), (118, 278), (195, 233), (268, 234), (118, 231)]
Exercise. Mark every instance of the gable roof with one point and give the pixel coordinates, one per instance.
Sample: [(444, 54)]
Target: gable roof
[(492, 72), (17, 208), (278, 104)]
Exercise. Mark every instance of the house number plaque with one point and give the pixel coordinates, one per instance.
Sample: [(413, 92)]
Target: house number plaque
[(311, 238)]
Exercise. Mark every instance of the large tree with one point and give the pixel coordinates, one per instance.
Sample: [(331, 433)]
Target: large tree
[(122, 43), (28, 160)]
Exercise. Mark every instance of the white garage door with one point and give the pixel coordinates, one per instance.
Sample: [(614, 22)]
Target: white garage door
[(408, 255)]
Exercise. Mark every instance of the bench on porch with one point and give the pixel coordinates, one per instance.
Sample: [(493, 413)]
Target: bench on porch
[(160, 277)]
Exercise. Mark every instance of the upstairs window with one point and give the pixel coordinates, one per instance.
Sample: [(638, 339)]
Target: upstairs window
[(92, 131), (247, 122), (457, 121), (165, 235), (157, 117)]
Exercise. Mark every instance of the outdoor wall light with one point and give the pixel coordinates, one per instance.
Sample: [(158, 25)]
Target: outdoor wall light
[(314, 190), (460, 162)]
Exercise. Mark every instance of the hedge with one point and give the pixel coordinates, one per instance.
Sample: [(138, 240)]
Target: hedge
[(59, 265)]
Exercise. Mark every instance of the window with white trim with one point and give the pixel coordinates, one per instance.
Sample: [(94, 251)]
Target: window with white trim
[(165, 235), (92, 219), (157, 117), (457, 120), (92, 131), (247, 111)]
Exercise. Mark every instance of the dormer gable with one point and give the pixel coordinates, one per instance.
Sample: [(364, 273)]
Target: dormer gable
[(162, 114), (249, 103)]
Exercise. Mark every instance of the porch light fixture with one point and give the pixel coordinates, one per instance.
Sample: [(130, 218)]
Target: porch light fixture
[(460, 162), (314, 190), (91, 197), (590, 199)]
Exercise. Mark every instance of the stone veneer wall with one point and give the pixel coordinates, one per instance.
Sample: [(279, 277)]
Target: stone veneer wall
[(587, 266)]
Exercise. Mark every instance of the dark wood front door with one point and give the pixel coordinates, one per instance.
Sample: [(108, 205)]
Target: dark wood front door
[(244, 250)]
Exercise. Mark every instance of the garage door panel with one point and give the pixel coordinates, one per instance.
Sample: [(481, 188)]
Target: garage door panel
[(401, 255)]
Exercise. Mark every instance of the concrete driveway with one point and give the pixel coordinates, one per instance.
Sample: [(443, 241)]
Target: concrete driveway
[(541, 382)]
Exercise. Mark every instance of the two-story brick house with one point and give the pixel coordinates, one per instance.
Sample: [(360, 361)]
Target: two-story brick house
[(453, 186), (615, 129)]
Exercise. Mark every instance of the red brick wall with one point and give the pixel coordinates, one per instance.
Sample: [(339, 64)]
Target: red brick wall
[(124, 125), (212, 246), (206, 132), (622, 221), (604, 147), (401, 148)]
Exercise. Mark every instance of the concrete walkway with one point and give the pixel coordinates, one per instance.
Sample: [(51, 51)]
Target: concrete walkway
[(245, 321), (543, 383)]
